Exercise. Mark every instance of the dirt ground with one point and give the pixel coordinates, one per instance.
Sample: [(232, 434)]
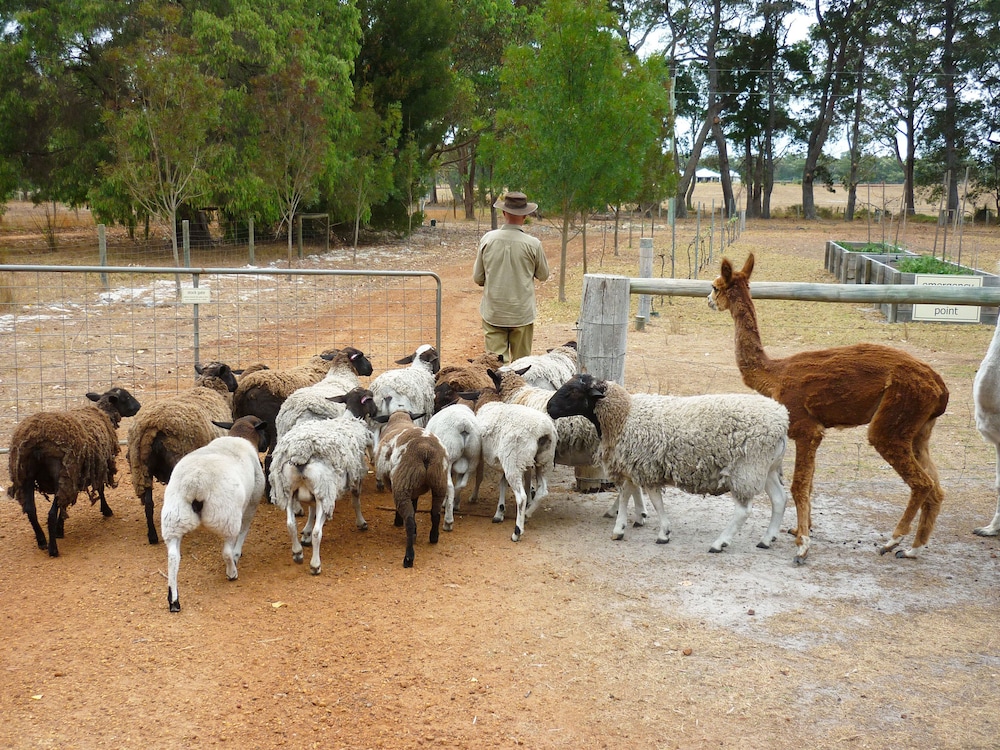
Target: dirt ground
[(566, 639)]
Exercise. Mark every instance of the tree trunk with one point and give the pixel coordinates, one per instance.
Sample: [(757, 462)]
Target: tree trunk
[(686, 185), (949, 74), (855, 139)]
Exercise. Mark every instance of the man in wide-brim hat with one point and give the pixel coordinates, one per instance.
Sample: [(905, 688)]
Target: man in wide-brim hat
[(508, 262)]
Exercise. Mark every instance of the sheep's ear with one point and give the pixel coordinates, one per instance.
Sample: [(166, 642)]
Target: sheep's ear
[(381, 418), (94, 396), (341, 399), (469, 395), (748, 266), (495, 377), (199, 369), (524, 369), (570, 344), (407, 360), (414, 416), (500, 357), (223, 425)]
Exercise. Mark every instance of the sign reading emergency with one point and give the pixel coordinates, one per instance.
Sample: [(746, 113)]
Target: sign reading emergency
[(943, 312)]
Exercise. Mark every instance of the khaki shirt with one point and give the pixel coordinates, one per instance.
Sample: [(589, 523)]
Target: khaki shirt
[(508, 261)]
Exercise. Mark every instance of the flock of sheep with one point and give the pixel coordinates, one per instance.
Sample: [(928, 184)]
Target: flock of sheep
[(424, 429)]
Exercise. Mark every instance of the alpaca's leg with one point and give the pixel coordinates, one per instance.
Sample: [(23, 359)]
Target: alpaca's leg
[(776, 492), (806, 446), (993, 527), (900, 452)]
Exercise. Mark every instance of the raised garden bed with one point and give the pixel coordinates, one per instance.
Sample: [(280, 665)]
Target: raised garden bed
[(863, 263)]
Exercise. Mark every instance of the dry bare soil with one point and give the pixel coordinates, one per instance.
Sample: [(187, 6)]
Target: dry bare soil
[(566, 639)]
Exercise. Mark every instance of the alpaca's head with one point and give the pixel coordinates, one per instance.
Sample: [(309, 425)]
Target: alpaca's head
[(720, 296)]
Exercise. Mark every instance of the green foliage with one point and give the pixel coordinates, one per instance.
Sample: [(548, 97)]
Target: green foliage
[(928, 264)]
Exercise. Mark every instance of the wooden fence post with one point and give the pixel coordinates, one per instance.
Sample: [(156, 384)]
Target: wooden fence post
[(604, 313)]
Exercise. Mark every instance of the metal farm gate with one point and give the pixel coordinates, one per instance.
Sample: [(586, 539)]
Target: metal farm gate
[(67, 330)]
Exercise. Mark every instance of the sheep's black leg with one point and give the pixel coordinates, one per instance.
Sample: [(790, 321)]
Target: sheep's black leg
[(53, 527), (28, 503), (105, 508), (411, 536), (436, 502), (147, 504)]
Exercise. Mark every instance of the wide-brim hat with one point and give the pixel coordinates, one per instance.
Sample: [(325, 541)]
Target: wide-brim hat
[(516, 204)]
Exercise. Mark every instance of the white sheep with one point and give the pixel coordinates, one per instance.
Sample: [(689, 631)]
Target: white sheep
[(458, 430), (170, 428), (218, 485), (317, 460), (409, 389), (313, 401), (521, 442), (65, 452), (986, 396), (549, 370), (705, 445), (411, 461)]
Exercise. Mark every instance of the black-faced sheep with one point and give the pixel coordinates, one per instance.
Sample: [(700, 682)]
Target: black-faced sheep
[(169, 429), (62, 453), (313, 401), (262, 393), (521, 442), (704, 445), (219, 485), (411, 461), (317, 460), (473, 376)]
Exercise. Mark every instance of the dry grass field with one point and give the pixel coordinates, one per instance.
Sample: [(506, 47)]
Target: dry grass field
[(566, 639)]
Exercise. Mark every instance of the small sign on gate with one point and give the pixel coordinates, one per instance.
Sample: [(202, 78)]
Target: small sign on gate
[(197, 295), (942, 312)]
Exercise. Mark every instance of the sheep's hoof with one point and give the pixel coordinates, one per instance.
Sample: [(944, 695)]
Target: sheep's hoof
[(107, 513), (448, 526), (985, 531), (617, 536), (800, 560), (906, 554), (498, 518), (761, 545), (297, 557), (407, 562), (317, 570), (434, 538), (638, 524), (663, 540), (363, 526), (153, 539), (232, 577), (53, 552), (714, 550), (175, 606), (516, 536)]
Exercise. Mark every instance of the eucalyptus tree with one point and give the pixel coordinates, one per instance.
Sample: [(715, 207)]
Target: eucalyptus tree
[(905, 55), (577, 113), (484, 29)]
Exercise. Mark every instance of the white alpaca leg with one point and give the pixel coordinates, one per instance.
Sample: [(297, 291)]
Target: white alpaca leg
[(741, 509), (656, 498), (779, 498), (993, 527), (315, 566), (293, 532)]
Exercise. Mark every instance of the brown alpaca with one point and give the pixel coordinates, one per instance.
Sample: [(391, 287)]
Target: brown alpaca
[(896, 395)]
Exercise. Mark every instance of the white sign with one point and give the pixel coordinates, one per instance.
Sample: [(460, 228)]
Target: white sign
[(943, 312), (199, 295)]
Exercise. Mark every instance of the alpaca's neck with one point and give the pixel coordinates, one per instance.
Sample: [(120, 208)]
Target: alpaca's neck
[(755, 366)]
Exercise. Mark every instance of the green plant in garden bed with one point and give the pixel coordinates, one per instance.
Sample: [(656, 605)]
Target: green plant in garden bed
[(927, 264)]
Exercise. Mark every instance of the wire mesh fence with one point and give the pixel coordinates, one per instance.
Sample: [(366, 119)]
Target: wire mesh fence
[(70, 330)]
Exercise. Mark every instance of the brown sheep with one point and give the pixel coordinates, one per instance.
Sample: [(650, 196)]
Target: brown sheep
[(65, 452), (410, 460)]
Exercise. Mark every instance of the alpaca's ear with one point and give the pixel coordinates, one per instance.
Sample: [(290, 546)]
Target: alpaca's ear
[(748, 266), (726, 272)]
